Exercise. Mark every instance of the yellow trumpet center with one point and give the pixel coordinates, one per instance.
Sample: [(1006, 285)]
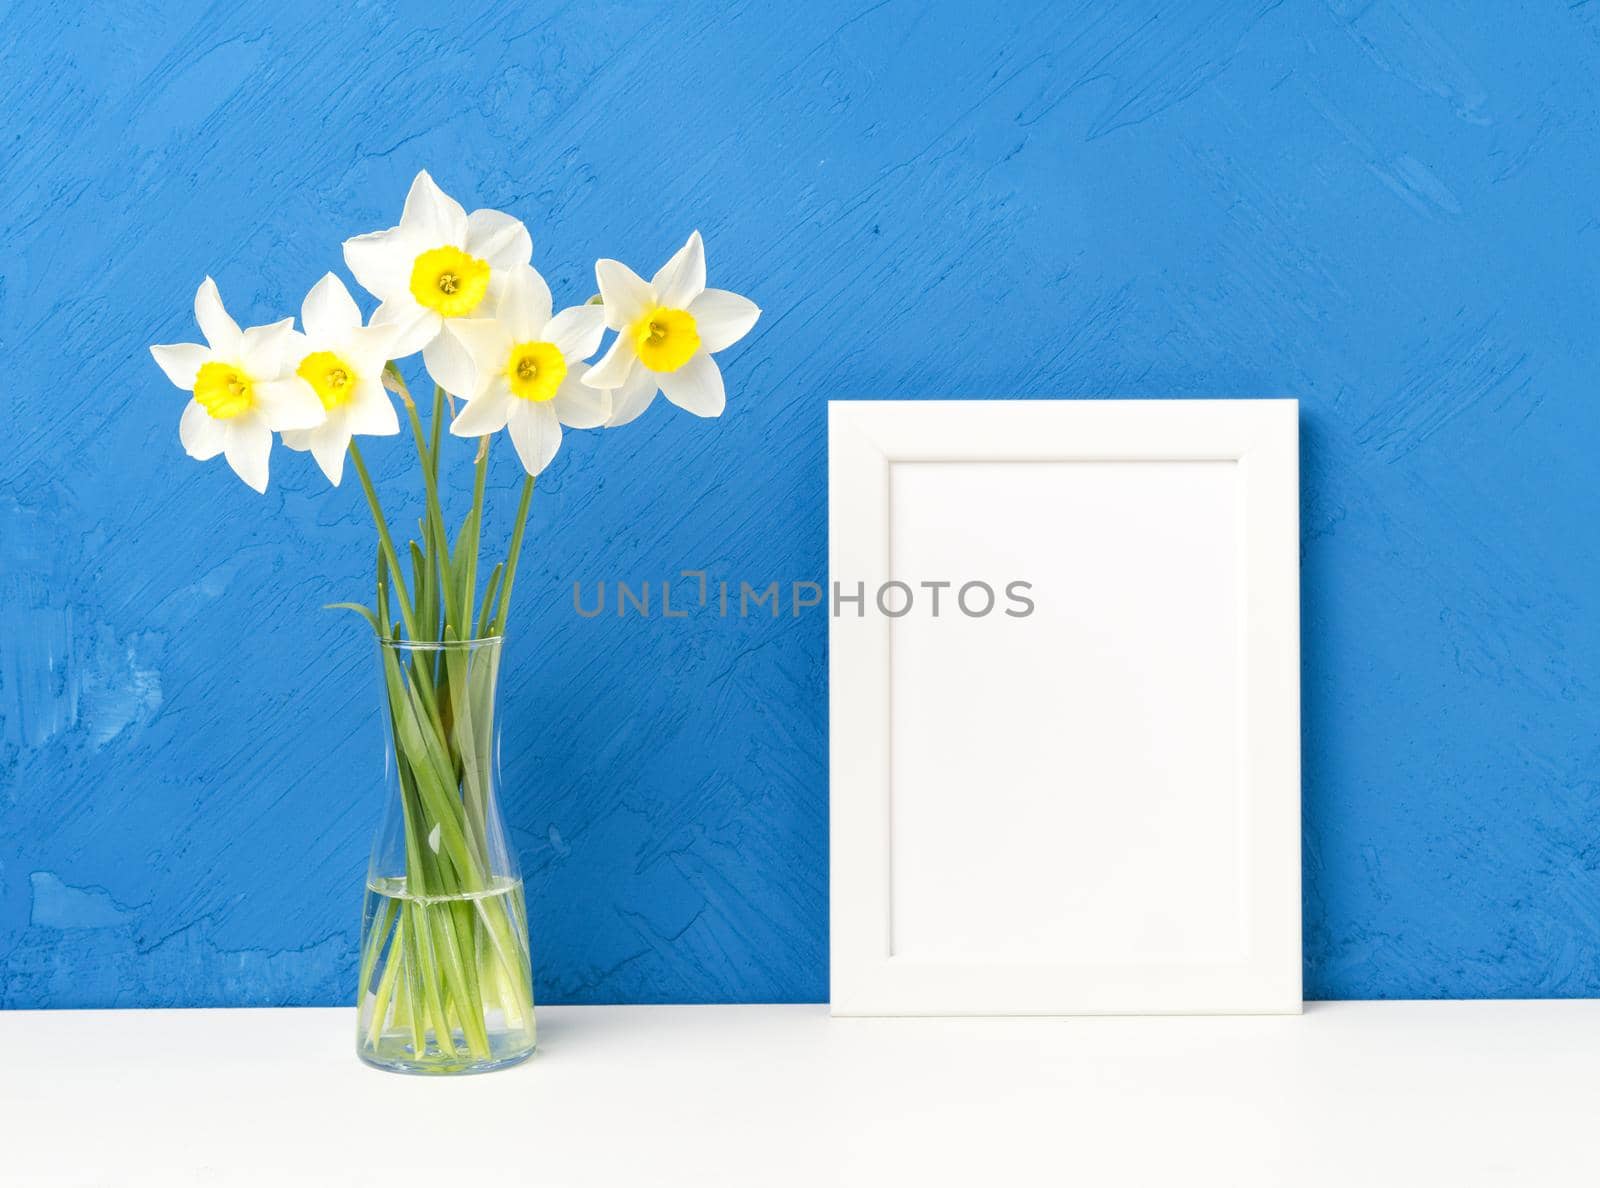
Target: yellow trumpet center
[(330, 377), (535, 370), (223, 390), (666, 339), (448, 280)]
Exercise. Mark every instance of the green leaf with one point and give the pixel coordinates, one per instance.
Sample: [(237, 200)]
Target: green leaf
[(423, 599), (485, 611), (364, 611)]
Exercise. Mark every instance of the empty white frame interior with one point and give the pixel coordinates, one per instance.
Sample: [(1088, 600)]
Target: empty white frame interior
[(1084, 798)]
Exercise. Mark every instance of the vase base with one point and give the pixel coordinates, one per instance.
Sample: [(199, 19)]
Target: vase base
[(397, 1056)]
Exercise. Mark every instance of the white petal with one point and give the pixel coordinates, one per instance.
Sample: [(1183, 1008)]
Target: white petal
[(576, 332), (297, 439), (372, 413), (487, 344), (221, 331), (269, 352), (382, 261), (248, 445), (432, 216), (630, 400), (289, 403), (328, 310), (294, 350), (535, 433), (449, 363), (417, 326), (696, 386), (722, 318), (329, 444), (489, 307), (577, 404), (182, 362), (498, 239), (524, 304), (202, 434), (615, 366), (627, 298), (484, 414), (370, 347), (682, 278)]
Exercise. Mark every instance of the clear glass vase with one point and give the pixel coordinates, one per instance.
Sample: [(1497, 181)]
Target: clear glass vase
[(446, 981)]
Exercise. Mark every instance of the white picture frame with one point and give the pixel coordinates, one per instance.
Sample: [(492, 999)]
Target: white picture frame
[(1092, 808)]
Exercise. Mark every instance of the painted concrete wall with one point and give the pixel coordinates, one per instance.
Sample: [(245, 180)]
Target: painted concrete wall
[(1389, 210)]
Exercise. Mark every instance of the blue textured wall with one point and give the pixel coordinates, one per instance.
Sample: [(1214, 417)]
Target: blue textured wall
[(1389, 210)]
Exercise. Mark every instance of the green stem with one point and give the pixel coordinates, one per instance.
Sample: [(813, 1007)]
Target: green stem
[(380, 1005), (430, 479), (501, 922), (474, 775), (434, 427), (385, 541), (438, 547), (467, 546), (375, 939), (460, 980), (430, 975), (498, 624), (490, 589), (416, 1004)]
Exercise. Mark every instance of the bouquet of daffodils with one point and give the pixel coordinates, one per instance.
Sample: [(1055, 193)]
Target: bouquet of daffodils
[(444, 977)]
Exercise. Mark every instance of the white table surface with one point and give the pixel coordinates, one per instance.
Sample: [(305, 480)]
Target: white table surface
[(1403, 1093)]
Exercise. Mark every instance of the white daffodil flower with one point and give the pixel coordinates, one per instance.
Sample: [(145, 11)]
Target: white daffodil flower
[(340, 362), (522, 370), (240, 398), (668, 331), (438, 265)]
